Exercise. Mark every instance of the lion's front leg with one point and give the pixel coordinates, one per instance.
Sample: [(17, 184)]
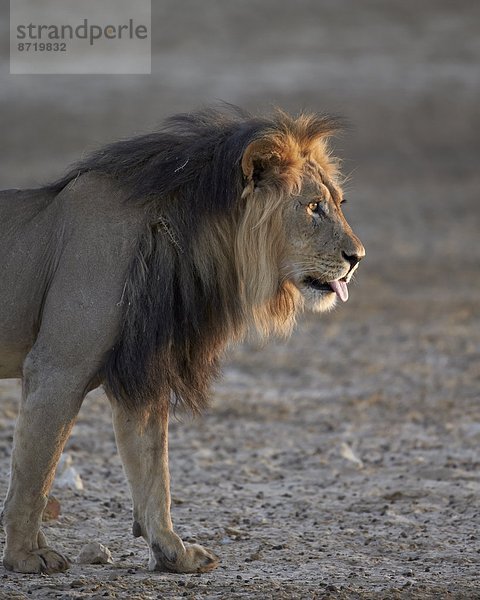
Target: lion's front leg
[(50, 403), (143, 447)]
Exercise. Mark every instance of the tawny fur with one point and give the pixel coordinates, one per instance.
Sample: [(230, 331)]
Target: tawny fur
[(134, 271)]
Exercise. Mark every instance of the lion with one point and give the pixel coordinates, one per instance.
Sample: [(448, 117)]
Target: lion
[(134, 271)]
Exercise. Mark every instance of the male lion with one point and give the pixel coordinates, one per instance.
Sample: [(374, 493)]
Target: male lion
[(134, 270)]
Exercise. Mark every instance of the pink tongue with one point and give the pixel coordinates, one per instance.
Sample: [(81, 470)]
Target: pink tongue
[(340, 288)]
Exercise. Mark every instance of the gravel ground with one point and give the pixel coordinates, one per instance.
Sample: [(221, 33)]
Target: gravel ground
[(343, 463)]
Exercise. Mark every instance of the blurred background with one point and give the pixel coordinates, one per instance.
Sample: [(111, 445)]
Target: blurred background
[(393, 376), (405, 75)]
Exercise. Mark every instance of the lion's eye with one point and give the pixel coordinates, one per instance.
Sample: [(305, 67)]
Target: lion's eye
[(314, 207)]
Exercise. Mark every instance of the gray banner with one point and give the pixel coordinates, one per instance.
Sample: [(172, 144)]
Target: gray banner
[(91, 36)]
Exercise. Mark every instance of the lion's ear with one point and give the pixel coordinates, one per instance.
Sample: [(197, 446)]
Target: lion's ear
[(260, 160)]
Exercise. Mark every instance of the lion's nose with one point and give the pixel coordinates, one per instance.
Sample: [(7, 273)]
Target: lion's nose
[(353, 259)]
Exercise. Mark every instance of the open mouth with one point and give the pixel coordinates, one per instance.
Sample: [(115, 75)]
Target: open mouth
[(338, 286)]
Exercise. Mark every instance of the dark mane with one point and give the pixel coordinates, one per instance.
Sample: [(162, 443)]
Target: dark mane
[(182, 300), (200, 150)]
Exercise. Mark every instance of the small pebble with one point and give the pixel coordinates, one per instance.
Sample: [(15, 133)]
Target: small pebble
[(94, 553)]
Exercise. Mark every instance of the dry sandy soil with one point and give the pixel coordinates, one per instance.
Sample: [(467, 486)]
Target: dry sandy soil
[(343, 463)]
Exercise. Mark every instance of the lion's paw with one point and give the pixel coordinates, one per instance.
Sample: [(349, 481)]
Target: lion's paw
[(192, 559), (44, 560)]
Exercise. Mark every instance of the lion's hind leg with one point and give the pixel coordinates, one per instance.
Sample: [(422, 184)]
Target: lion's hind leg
[(143, 447)]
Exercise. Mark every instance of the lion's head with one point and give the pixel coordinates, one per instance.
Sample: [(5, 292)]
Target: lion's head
[(294, 245)]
